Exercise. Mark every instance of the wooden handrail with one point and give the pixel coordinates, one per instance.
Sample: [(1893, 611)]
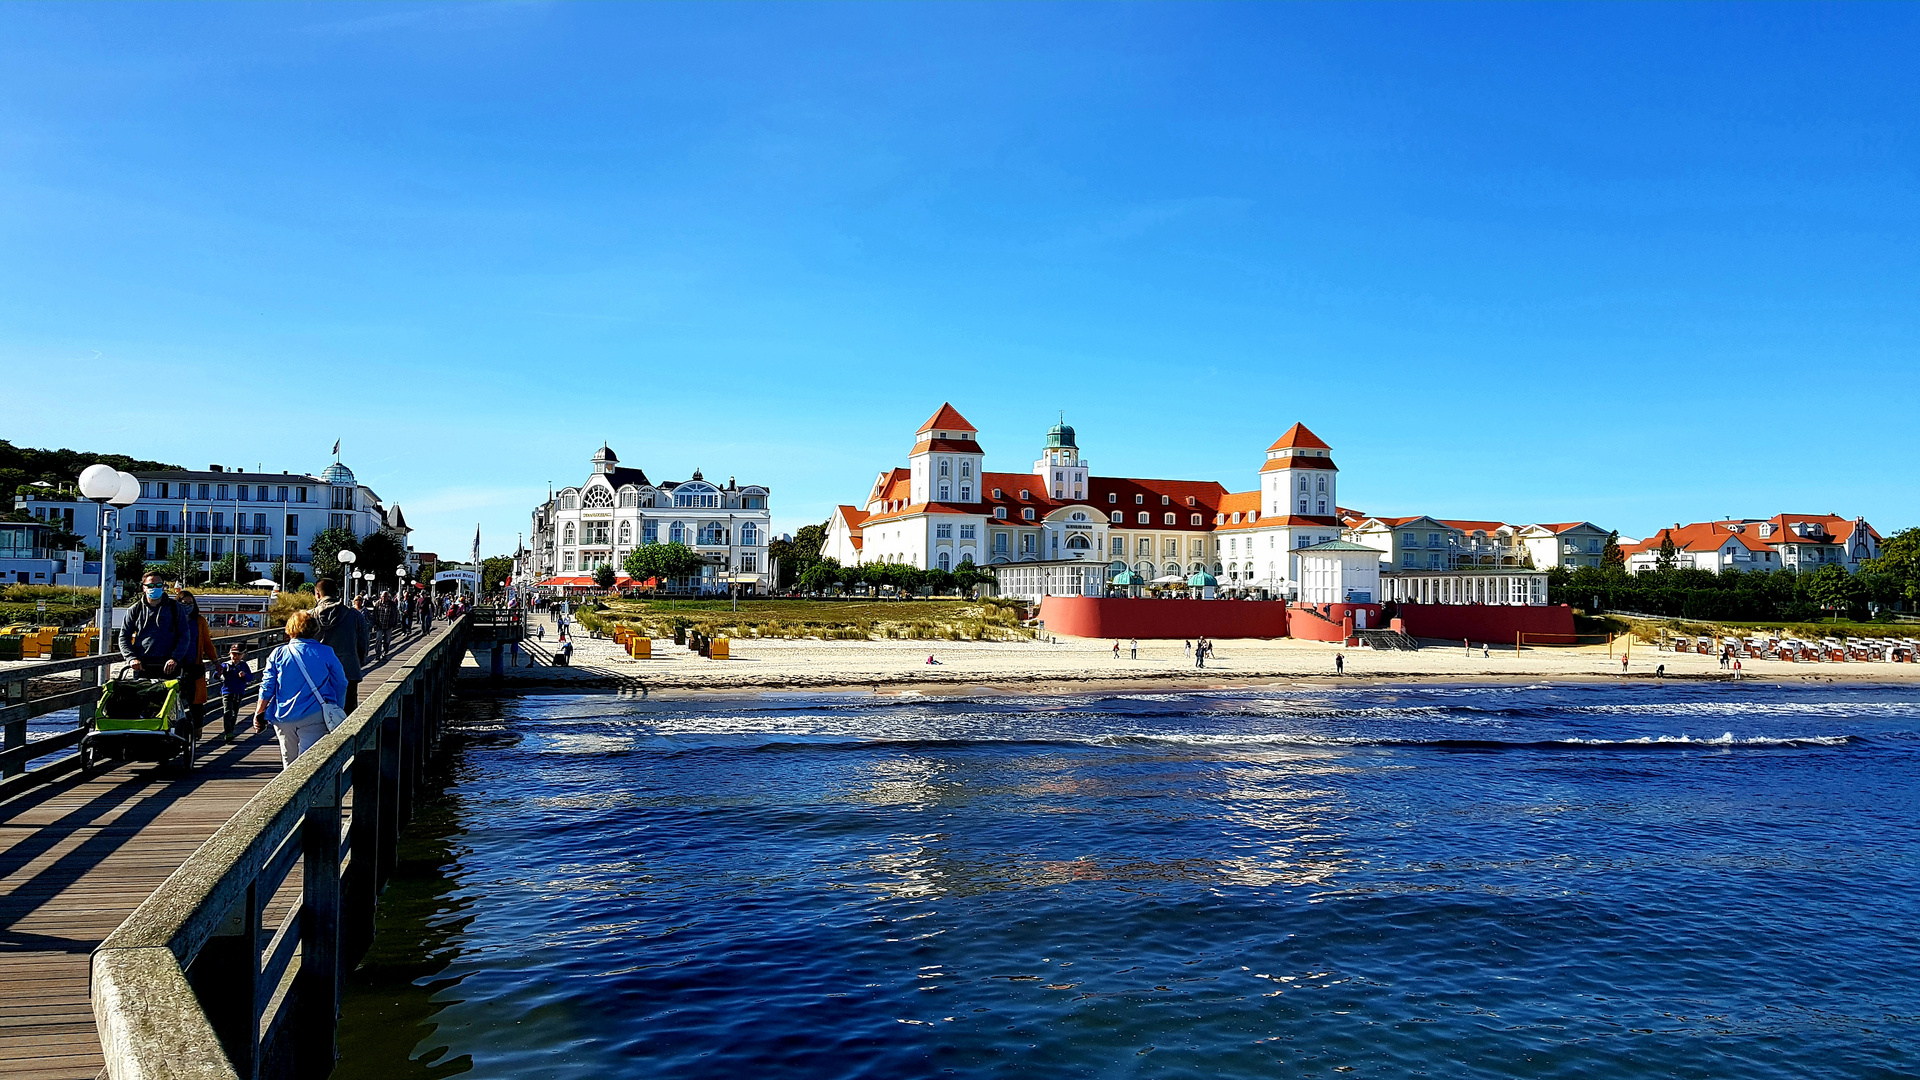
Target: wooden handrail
[(262, 1012)]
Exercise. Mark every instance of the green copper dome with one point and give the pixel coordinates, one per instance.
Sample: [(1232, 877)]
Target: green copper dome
[(1061, 434)]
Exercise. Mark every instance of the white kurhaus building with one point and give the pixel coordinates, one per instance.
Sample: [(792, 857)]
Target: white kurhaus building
[(579, 529)]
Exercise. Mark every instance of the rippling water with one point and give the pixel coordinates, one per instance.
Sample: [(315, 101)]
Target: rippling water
[(1601, 881)]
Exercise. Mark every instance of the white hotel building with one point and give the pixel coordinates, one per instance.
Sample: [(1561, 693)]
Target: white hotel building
[(617, 509)]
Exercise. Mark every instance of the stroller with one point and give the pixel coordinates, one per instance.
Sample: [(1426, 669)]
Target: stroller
[(137, 720)]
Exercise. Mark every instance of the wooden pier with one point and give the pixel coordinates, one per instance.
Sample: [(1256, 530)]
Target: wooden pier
[(236, 920)]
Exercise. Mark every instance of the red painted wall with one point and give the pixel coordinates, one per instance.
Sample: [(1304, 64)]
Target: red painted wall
[(1123, 617), (1338, 625), (1487, 622)]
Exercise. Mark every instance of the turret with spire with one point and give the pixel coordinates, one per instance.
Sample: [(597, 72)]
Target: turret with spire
[(1060, 466)]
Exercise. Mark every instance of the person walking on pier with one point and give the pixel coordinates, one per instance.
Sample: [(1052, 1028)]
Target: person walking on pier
[(234, 676), (194, 673), (345, 631), (301, 679), (158, 638)]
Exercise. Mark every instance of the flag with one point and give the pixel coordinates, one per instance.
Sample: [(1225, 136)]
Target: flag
[(476, 545), (336, 448)]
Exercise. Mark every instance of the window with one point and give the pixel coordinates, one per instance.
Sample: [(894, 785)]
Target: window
[(1193, 519), (1119, 546), (1172, 547), (301, 492), (140, 519), (336, 521), (943, 469), (1118, 517), (945, 562), (943, 532), (966, 469), (1000, 543), (967, 532), (966, 493), (1027, 513), (279, 495), (677, 533), (203, 490), (626, 533), (713, 533), (160, 520), (750, 535), (567, 534), (1303, 506), (1139, 500), (1145, 517), (1322, 488), (749, 562), (146, 490), (1000, 512), (1113, 497), (567, 563), (629, 498), (1166, 500), (1146, 546), (1025, 494), (946, 493), (241, 491), (259, 549), (997, 494), (649, 532), (1168, 519), (260, 493), (220, 492), (1026, 544), (293, 525)]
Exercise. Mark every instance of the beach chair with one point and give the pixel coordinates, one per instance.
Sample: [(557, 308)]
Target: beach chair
[(137, 720)]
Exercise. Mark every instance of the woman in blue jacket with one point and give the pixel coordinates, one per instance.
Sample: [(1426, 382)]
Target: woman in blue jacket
[(293, 699)]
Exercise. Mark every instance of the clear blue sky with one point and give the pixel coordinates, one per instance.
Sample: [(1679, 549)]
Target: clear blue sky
[(1633, 264)]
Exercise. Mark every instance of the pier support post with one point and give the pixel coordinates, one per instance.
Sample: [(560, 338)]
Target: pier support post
[(389, 819), (360, 886), (225, 979), (319, 979)]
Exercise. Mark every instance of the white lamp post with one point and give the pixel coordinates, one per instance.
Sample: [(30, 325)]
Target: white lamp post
[(107, 487), (346, 559)]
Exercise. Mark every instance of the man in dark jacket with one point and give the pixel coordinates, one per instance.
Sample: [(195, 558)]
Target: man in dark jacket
[(159, 637), (344, 630)]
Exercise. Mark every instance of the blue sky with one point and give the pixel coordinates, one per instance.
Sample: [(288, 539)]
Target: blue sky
[(1632, 264)]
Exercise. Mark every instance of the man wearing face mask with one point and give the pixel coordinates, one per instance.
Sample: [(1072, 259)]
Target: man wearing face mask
[(159, 638)]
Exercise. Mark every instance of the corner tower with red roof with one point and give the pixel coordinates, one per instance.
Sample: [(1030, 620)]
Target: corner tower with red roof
[(944, 464), (1299, 478)]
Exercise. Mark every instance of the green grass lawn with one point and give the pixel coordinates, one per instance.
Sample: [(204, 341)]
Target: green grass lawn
[(956, 620)]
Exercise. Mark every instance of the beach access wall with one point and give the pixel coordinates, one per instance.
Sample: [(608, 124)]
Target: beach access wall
[(1332, 622), (1123, 617), (1494, 623)]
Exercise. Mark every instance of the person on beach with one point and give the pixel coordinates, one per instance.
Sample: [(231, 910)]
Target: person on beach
[(234, 676), (1660, 672), (301, 678), (1116, 648), (931, 660), (1186, 647), (1133, 648), (1736, 669), (1339, 663), (1623, 665)]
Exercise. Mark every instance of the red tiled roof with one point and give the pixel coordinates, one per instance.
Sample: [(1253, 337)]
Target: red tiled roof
[(948, 419), (1299, 463), (1700, 536), (1298, 436), (853, 514), (946, 446), (1473, 526)]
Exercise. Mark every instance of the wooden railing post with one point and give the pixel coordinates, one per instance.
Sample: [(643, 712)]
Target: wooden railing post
[(318, 986), (389, 751), (225, 977), (14, 732), (361, 887)]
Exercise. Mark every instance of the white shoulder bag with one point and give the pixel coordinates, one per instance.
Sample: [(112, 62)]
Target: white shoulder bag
[(335, 715)]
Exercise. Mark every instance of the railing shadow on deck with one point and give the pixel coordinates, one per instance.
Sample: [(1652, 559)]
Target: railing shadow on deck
[(195, 983)]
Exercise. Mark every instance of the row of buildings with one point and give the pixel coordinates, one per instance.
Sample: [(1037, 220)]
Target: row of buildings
[(1059, 528), (616, 509), (260, 516)]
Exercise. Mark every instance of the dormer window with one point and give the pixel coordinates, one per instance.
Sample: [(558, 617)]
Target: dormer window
[(1166, 500), (1236, 519), (1193, 519), (1168, 518), (1191, 501), (1118, 517), (1139, 500), (998, 494), (1025, 494), (1113, 497), (1027, 513), (1000, 512)]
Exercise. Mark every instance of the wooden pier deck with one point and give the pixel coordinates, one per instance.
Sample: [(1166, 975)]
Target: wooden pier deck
[(77, 855)]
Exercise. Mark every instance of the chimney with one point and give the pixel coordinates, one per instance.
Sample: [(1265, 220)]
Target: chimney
[(213, 468)]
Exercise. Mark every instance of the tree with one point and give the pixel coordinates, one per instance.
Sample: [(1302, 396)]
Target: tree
[(663, 561), (381, 553), (181, 567), (820, 575), (286, 576), (1832, 588), (603, 575), (327, 544), (1611, 555), (1669, 555), (494, 572), (21, 465), (229, 571), (128, 564), (1898, 565), (795, 557)]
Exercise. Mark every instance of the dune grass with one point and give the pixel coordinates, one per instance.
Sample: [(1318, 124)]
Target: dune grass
[(825, 620)]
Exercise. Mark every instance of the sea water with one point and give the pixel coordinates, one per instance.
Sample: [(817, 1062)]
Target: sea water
[(1702, 880)]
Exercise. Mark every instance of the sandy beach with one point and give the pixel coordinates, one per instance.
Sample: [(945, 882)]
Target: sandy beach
[(1076, 664)]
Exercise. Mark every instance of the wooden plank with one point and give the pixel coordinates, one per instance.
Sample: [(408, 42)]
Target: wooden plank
[(79, 853)]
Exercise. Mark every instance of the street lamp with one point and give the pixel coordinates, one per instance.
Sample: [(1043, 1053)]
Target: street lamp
[(346, 559), (107, 486)]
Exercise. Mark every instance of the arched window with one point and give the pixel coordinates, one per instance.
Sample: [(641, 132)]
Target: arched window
[(597, 498), (677, 533), (966, 469), (566, 535), (1169, 518), (626, 532), (750, 534), (1027, 513), (629, 498), (568, 502), (1118, 517), (1078, 542), (1000, 512), (944, 469), (944, 562), (1193, 519)]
